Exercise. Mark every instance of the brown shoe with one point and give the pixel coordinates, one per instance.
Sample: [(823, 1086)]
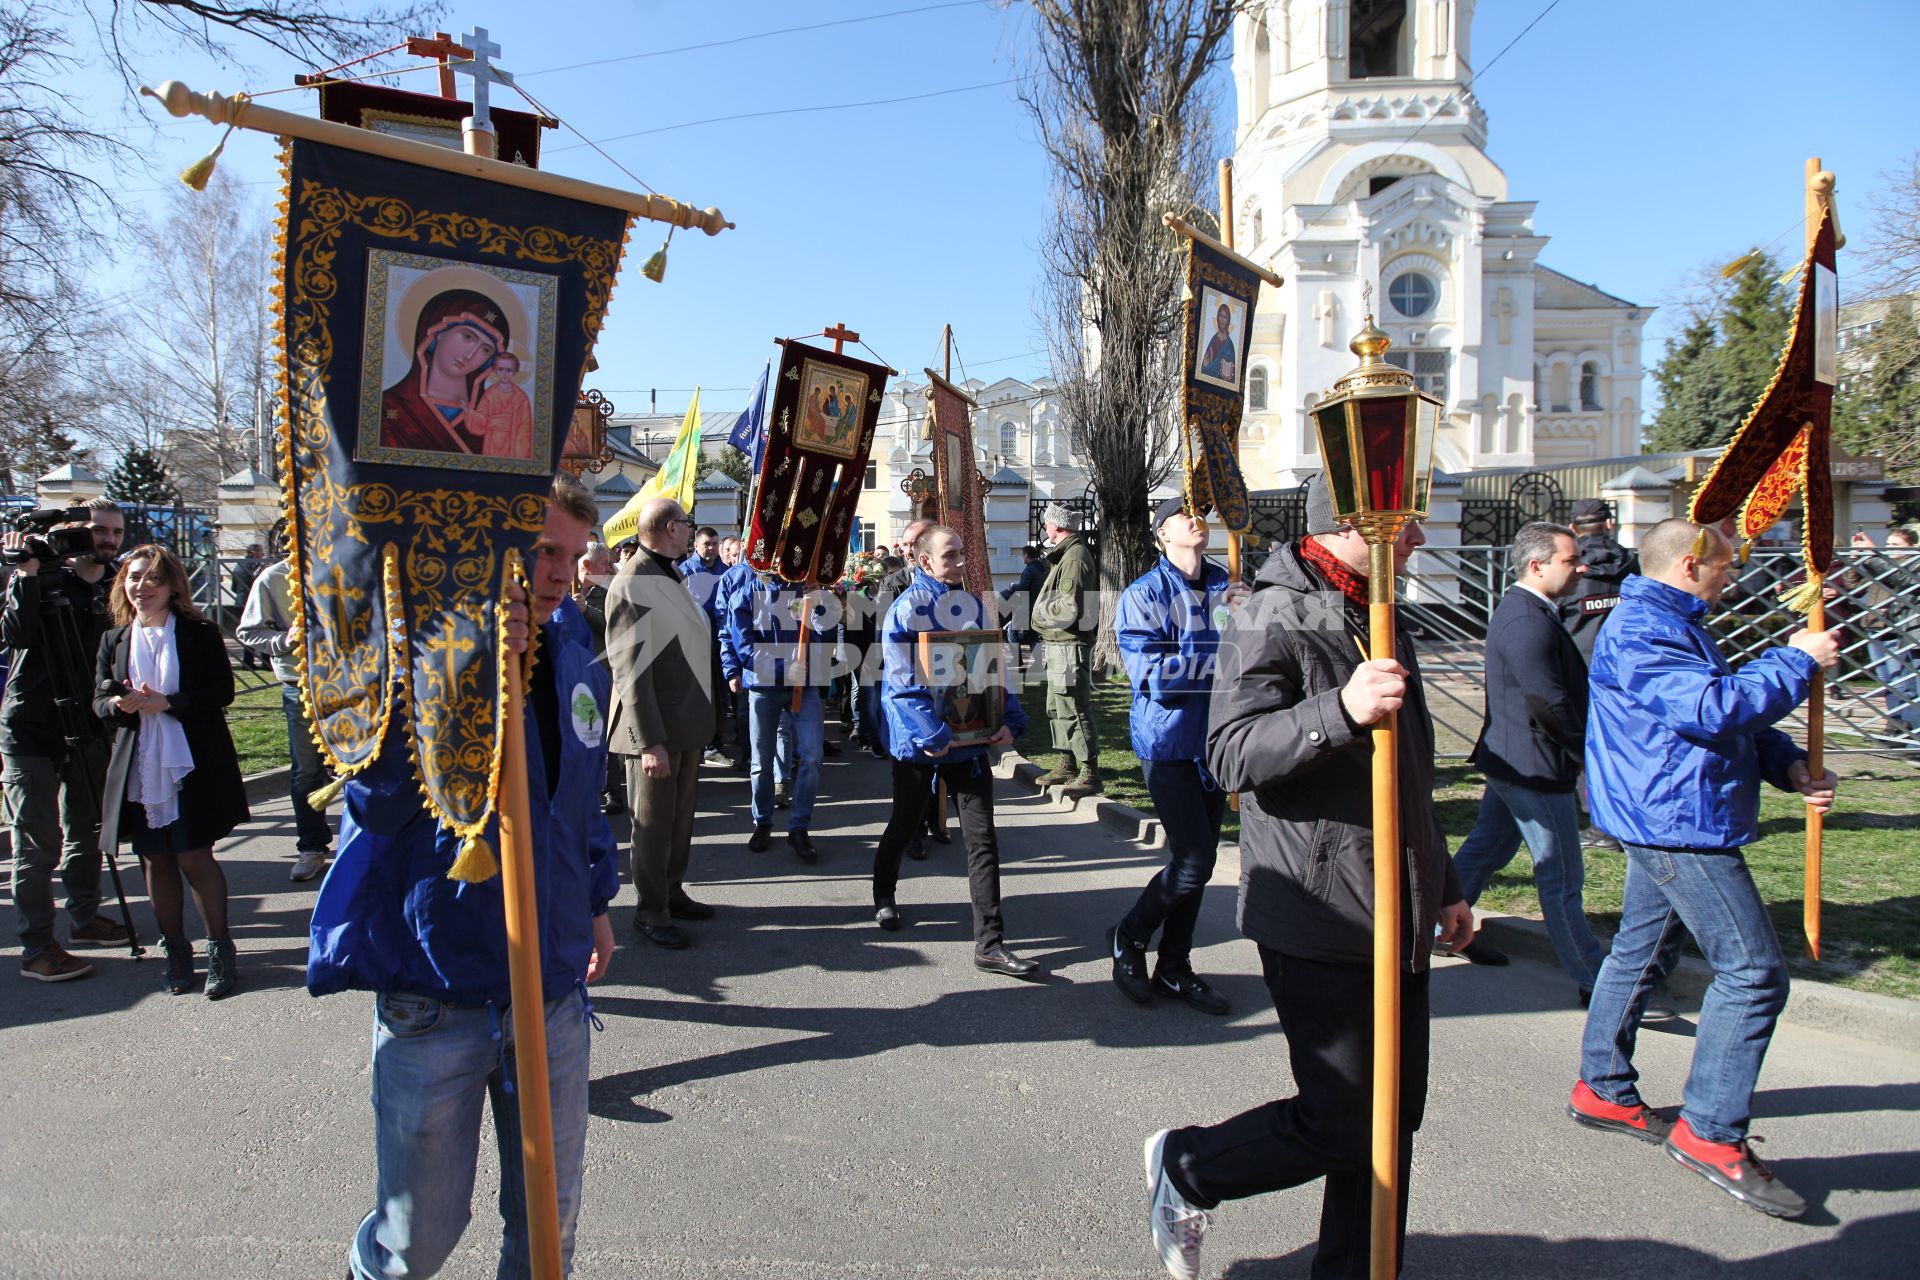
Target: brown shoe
[(1087, 784), (101, 931), (1059, 775), (54, 965)]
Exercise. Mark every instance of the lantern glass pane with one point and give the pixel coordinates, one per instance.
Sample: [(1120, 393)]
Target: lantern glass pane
[(1383, 434), (1336, 451), (1428, 428)]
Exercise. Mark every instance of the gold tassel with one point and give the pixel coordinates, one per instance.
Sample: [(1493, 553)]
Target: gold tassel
[(656, 266), (1732, 269), (200, 172), (1790, 274), (1746, 549), (475, 863), (1807, 595), (321, 797)]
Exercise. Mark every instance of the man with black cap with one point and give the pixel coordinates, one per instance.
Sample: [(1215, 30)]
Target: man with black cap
[(1168, 630), (1607, 566), (1288, 725), (1067, 616)]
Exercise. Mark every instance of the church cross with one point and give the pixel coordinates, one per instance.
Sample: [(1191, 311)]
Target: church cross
[(483, 73), (1327, 312), (1504, 310), (841, 335)]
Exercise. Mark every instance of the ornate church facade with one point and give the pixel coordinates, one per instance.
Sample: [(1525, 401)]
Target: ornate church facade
[(1360, 159)]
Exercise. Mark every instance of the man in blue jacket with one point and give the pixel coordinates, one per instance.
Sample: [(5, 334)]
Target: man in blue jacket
[(759, 653), (1677, 746), (915, 702), (702, 570), (1168, 630), (434, 950)]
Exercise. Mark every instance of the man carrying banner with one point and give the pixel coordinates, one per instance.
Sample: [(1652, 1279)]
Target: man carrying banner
[(434, 950), (1067, 617), (763, 637), (1677, 746)]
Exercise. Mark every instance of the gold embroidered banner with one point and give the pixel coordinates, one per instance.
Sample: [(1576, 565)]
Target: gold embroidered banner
[(959, 489), (435, 329), (1221, 293)]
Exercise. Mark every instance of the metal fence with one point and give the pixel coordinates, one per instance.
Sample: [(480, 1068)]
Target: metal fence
[(1873, 700)]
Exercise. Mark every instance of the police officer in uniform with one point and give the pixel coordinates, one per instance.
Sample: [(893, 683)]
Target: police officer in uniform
[(1595, 593)]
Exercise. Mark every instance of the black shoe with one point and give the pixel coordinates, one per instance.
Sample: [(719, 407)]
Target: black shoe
[(939, 834), (223, 973), (782, 797), (1129, 966), (1477, 952), (611, 804), (1185, 984), (917, 848), (886, 915), (681, 907), (665, 935), (828, 747), (761, 838), (802, 845), (997, 959)]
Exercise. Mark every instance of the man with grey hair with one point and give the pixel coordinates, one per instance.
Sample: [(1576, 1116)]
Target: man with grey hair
[(1532, 746), (657, 639), (1066, 615)]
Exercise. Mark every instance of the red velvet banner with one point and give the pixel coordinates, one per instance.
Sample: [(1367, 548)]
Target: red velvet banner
[(961, 498)]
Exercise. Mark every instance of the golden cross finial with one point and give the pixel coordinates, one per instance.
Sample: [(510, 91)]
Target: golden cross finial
[(1366, 296)]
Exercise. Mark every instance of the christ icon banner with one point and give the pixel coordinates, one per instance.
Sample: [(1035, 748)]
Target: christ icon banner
[(1219, 313), (435, 328)]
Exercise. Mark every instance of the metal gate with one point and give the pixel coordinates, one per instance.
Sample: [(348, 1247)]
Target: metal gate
[(1532, 496)]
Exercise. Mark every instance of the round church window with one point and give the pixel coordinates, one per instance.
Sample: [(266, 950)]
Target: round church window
[(1412, 295)]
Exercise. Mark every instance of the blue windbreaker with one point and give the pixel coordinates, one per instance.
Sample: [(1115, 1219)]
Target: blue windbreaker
[(1169, 638), (762, 630), (1677, 741), (704, 583), (388, 919), (914, 721)]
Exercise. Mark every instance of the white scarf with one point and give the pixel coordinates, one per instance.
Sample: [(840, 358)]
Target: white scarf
[(161, 757)]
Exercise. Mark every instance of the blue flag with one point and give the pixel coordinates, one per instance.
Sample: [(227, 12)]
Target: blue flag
[(749, 434)]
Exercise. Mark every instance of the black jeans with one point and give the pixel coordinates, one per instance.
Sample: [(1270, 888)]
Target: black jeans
[(970, 787), (1325, 1130), (1190, 808)]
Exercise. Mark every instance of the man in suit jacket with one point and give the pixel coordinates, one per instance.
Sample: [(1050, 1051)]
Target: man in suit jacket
[(657, 641), (1532, 745)]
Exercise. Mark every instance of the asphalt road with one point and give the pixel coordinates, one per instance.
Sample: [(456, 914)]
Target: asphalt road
[(799, 1095)]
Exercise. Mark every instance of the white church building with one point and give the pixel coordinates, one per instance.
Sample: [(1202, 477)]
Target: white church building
[(1360, 157)]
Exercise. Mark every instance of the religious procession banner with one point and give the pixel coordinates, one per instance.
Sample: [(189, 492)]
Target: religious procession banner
[(435, 332), (825, 406), (1221, 292), (959, 490), (675, 479), (1783, 447)]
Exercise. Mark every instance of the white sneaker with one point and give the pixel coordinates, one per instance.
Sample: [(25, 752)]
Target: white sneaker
[(308, 865), (1178, 1227)]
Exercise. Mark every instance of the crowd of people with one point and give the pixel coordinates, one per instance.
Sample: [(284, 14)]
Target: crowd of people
[(1604, 690)]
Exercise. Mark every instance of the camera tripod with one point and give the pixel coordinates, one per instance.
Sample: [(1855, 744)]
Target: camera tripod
[(70, 675)]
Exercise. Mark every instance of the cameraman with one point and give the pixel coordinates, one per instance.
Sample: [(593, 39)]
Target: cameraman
[(52, 802)]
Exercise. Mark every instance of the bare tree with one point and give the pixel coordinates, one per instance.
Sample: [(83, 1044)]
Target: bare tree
[(1119, 93), (1878, 409)]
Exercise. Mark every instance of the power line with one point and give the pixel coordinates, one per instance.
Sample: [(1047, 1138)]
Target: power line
[(1475, 77), (755, 35)]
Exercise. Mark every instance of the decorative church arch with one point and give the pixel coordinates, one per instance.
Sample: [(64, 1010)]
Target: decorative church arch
[(1387, 159)]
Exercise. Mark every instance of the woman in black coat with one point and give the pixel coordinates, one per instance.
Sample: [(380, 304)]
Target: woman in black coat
[(173, 787)]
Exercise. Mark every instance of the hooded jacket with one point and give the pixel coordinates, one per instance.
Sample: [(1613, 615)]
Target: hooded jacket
[(388, 919), (915, 724), (1278, 735), (1169, 639), (1677, 741)]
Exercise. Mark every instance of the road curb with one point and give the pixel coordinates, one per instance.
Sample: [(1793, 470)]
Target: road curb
[(270, 784), (1862, 1015)]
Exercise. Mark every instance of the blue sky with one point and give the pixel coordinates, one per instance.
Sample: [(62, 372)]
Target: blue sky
[(1656, 137)]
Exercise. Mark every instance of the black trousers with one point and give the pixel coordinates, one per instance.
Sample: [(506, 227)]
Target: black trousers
[(1190, 808), (1324, 1130), (970, 787)]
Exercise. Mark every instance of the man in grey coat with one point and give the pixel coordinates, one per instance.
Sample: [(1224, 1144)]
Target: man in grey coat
[(657, 639), (1288, 729)]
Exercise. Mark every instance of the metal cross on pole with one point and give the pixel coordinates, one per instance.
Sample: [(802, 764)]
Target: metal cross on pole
[(483, 74)]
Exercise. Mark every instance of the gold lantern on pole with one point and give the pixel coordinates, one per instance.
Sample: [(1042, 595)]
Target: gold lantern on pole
[(1376, 433)]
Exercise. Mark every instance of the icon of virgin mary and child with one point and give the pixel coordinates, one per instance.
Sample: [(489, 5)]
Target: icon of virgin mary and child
[(460, 395)]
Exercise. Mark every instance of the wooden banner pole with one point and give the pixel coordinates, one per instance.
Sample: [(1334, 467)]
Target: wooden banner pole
[(1817, 696), (1386, 933)]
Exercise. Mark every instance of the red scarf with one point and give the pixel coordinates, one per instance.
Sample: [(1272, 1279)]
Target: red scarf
[(1351, 585)]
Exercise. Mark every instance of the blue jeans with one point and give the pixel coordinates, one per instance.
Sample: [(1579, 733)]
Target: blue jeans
[(1190, 807), (309, 774), (433, 1065), (765, 708), (1710, 894), (869, 726), (1549, 821)]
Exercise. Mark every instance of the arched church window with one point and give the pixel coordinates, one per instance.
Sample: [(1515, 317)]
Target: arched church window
[(1374, 37), (1589, 385), (1009, 440), (1257, 390), (1262, 65), (1412, 294)]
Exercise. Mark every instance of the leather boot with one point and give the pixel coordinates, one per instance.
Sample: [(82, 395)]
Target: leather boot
[(1061, 773), (223, 973), (1086, 784), (178, 978)]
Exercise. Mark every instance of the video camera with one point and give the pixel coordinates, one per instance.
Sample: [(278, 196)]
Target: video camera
[(46, 541)]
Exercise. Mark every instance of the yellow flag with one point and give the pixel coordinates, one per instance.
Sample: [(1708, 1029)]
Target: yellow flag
[(673, 480)]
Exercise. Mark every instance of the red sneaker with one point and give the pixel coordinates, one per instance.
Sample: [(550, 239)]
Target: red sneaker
[(1732, 1167), (1637, 1121)]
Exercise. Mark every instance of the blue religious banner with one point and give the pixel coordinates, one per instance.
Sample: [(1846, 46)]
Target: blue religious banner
[(436, 328), (1221, 291)]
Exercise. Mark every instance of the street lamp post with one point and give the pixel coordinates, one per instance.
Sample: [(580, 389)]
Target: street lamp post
[(1376, 437)]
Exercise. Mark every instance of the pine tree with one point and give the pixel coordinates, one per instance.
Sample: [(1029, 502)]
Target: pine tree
[(1712, 374), (728, 461), (140, 478)]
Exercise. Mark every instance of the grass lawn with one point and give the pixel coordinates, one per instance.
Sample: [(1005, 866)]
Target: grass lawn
[(1871, 918), (259, 729)]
